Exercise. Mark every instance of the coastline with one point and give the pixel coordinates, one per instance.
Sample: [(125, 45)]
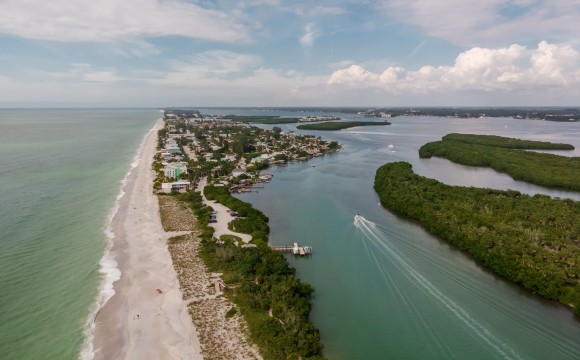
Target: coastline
[(137, 322)]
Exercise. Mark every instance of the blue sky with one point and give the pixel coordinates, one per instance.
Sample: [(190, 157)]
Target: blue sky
[(289, 53)]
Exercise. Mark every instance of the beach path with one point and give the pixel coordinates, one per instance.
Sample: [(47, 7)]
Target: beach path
[(223, 216), (140, 322)]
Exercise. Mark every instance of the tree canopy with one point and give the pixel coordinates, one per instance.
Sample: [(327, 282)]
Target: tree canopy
[(506, 155), (531, 240)]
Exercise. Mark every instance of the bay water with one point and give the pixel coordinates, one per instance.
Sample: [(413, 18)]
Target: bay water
[(60, 175), (385, 288)]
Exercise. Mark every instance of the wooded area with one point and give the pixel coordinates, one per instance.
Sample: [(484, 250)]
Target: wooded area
[(339, 125), (531, 240), (263, 281), (506, 155)]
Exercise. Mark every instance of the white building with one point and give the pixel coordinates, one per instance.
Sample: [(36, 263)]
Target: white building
[(174, 170), (180, 186)]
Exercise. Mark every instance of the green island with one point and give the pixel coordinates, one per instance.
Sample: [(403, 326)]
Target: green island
[(264, 119), (533, 241), (339, 125), (508, 156)]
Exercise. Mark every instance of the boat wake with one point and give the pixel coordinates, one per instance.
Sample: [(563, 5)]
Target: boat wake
[(380, 248)]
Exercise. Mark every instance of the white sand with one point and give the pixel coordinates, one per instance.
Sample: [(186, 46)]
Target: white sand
[(138, 322), (223, 216)]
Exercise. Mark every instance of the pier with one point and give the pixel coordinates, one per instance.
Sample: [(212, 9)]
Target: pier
[(295, 249)]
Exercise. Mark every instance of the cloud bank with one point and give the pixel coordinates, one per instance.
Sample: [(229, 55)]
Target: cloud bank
[(509, 69)]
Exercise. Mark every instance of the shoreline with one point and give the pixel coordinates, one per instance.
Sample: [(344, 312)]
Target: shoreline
[(108, 267), (137, 322)]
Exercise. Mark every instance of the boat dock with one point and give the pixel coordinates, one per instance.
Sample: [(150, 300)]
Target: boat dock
[(294, 249)]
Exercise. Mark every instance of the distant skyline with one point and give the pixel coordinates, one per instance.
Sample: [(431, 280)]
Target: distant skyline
[(157, 53)]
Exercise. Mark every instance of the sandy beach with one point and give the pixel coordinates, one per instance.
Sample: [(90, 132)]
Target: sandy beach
[(138, 322)]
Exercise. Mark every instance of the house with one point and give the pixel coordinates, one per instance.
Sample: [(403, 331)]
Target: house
[(264, 158), (174, 170), (238, 172), (180, 186), (174, 150)]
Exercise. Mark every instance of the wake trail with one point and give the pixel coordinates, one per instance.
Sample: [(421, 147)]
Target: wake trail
[(379, 240)]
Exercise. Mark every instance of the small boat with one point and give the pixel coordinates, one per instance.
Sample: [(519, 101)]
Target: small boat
[(358, 217)]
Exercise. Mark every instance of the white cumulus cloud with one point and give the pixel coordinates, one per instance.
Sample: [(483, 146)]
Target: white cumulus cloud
[(513, 68)]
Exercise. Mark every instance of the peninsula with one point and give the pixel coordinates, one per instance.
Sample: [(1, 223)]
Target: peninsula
[(339, 125), (200, 161)]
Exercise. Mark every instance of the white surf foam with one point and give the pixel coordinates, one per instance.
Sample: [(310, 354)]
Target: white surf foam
[(108, 266)]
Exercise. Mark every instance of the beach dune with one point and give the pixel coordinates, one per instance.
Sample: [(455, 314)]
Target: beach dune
[(140, 322)]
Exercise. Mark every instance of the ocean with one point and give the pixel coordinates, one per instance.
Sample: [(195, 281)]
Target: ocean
[(61, 174)]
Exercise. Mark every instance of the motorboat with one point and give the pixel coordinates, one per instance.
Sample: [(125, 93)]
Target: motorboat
[(358, 217)]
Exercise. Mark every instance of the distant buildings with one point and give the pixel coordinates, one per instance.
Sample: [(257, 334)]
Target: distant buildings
[(232, 154), (318, 118)]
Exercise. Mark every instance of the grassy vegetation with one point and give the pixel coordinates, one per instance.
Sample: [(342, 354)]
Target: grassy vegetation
[(339, 125), (175, 216), (265, 282), (231, 312), (531, 240), (233, 238), (269, 120), (505, 155)]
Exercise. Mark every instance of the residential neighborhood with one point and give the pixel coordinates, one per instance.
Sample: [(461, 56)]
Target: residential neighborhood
[(231, 154)]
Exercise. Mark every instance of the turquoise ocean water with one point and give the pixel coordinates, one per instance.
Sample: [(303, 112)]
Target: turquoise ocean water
[(60, 175)]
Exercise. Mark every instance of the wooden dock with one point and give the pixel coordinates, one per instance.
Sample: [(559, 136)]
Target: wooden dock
[(295, 249)]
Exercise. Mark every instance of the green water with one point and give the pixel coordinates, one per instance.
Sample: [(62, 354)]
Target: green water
[(389, 290), (60, 175)]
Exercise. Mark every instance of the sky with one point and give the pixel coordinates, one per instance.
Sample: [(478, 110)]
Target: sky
[(162, 53)]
